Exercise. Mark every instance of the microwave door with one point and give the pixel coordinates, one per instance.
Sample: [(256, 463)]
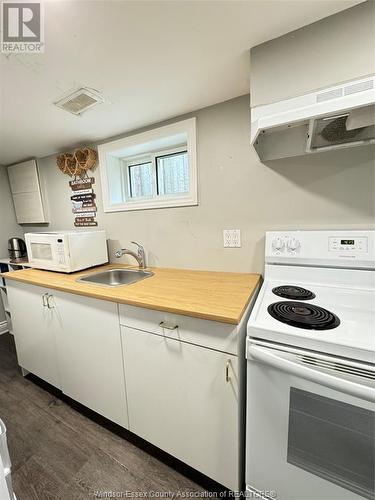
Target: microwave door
[(42, 252), (48, 252), (310, 425)]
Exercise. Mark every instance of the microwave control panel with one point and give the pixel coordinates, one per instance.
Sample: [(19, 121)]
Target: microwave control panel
[(61, 251)]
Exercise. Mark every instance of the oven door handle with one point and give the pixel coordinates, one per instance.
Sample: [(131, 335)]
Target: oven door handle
[(339, 384)]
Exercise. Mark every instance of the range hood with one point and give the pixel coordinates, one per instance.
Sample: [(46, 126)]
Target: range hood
[(337, 117)]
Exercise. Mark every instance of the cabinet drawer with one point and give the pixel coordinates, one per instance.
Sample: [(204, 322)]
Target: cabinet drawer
[(211, 334)]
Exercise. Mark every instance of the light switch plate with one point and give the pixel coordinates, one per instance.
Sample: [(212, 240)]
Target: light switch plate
[(232, 238)]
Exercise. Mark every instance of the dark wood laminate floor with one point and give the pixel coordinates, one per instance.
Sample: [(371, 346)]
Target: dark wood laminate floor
[(59, 454)]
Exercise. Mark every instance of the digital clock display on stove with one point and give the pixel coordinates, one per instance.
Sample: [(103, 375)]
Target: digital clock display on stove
[(357, 245), (347, 242)]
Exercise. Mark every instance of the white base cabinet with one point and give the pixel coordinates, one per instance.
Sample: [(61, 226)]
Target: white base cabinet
[(183, 398), (34, 331), (73, 343), (177, 382), (90, 355)]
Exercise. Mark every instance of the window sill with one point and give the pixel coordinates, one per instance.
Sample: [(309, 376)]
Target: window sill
[(151, 205)]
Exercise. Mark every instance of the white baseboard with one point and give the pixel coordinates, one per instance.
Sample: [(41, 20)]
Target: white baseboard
[(4, 327)]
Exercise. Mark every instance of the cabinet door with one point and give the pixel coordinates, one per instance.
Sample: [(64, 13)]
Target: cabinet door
[(28, 208), (184, 399), (33, 328), (26, 192), (90, 354)]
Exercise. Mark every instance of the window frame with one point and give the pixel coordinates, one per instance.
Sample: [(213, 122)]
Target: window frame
[(152, 159), (117, 148), (134, 162), (163, 154)]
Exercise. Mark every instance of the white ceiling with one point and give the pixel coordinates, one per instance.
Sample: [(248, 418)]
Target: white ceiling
[(151, 60)]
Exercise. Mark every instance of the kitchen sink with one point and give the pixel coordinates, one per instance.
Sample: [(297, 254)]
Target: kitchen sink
[(116, 277)]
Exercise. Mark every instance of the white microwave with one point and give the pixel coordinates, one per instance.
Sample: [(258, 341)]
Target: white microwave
[(66, 251)]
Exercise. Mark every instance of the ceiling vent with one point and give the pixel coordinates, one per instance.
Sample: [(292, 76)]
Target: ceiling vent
[(79, 101)]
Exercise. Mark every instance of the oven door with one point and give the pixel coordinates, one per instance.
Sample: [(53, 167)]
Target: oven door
[(48, 251), (310, 425)]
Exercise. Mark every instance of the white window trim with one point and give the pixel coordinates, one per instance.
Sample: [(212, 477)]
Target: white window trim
[(187, 127)]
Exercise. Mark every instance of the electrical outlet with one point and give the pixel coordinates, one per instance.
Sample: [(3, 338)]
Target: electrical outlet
[(232, 238)]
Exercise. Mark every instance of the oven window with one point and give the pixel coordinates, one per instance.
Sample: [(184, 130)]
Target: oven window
[(333, 440), (41, 251)]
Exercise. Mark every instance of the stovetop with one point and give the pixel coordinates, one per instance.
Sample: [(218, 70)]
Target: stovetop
[(350, 312)]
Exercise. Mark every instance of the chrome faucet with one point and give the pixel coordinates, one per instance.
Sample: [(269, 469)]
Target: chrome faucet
[(140, 256)]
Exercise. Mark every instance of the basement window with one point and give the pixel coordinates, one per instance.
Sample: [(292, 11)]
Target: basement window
[(154, 169), (172, 173), (139, 179)]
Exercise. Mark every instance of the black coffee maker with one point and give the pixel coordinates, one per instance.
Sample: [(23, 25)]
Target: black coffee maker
[(17, 250)]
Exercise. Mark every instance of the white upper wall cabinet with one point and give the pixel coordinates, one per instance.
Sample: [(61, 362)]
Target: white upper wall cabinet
[(26, 192), (153, 169)]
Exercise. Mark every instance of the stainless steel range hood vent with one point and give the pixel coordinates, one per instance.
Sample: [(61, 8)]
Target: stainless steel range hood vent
[(333, 118)]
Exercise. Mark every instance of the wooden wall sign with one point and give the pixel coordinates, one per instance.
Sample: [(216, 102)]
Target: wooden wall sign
[(82, 183), (85, 224), (83, 202), (83, 197)]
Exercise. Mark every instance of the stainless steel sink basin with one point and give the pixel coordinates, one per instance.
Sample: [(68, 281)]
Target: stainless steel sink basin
[(116, 277)]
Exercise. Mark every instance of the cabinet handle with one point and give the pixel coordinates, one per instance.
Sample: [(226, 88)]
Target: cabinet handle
[(49, 297), (227, 365), (44, 296), (162, 324)]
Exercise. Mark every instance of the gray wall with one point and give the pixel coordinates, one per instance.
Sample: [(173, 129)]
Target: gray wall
[(336, 49), (327, 190), (8, 225)]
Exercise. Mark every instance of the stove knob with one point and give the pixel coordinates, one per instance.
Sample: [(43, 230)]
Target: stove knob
[(293, 245), (278, 244)]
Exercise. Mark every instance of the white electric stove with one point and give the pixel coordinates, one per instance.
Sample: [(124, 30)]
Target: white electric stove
[(311, 369)]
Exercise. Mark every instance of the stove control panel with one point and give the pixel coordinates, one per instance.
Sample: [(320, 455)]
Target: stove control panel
[(350, 244), (290, 245), (351, 248)]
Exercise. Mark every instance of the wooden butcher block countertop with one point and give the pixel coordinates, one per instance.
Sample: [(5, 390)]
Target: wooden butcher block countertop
[(217, 296)]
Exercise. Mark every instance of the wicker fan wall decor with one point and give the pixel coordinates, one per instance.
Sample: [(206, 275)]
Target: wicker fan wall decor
[(77, 164)]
